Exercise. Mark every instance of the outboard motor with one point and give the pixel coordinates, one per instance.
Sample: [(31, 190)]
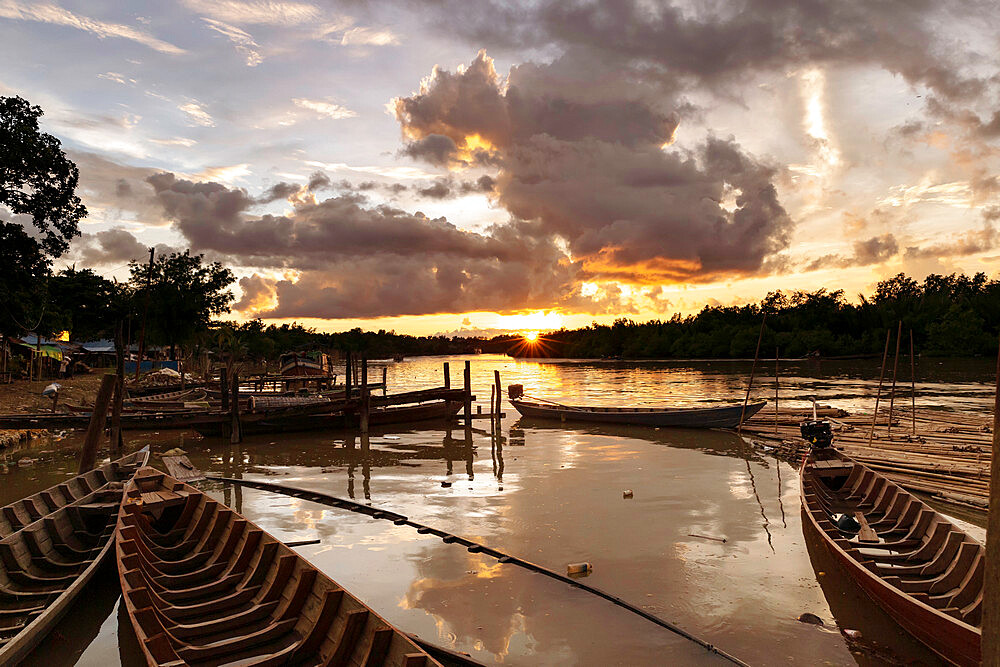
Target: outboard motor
[(817, 433), (515, 391)]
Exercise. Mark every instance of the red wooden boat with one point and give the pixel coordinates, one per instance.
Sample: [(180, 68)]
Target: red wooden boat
[(925, 572)]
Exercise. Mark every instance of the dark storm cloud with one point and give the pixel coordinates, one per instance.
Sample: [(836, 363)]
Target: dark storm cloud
[(355, 260), (443, 188), (584, 163), (720, 42)]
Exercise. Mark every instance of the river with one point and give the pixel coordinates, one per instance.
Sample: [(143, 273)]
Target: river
[(553, 493)]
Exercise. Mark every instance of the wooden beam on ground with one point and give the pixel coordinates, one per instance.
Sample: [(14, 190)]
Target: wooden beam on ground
[(95, 430)]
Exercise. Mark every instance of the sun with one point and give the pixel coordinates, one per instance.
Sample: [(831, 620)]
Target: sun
[(531, 336)]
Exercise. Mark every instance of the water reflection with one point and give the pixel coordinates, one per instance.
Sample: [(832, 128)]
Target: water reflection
[(552, 493)]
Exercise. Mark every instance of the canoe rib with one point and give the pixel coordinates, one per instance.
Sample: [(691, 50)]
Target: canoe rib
[(923, 571), (204, 586), (52, 544)]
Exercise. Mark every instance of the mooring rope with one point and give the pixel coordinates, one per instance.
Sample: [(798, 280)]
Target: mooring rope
[(474, 547)]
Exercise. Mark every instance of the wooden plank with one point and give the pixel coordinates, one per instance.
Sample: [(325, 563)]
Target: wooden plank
[(867, 533), (181, 469)]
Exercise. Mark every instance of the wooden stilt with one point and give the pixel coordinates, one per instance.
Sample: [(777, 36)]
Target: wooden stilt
[(447, 376), (348, 375), (878, 395), (499, 402), (224, 387), (235, 435), (467, 396), (991, 592), (892, 393), (385, 385), (95, 430), (753, 369), (365, 403)]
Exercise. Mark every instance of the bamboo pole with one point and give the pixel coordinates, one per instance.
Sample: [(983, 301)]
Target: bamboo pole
[(892, 393), (95, 429), (991, 586), (776, 391), (913, 386), (878, 395), (236, 434), (753, 369), (145, 313)]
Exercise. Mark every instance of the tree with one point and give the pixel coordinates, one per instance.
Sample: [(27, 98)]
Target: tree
[(23, 271), (184, 294), (91, 305), (36, 177)]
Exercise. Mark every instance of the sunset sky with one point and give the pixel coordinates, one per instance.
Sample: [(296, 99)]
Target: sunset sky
[(445, 166)]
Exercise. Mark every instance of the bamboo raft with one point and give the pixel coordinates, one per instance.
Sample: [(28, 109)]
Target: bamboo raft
[(204, 586), (940, 453), (53, 543)]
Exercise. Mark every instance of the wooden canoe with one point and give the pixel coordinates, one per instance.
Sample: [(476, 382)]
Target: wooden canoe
[(204, 586), (924, 571), (724, 416), (54, 542)]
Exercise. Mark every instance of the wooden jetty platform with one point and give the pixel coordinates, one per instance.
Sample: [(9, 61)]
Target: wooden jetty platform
[(940, 453)]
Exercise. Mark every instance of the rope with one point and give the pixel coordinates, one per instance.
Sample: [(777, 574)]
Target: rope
[(474, 547)]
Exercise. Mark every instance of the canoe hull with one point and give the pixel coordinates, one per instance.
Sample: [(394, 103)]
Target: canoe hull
[(954, 641), (717, 417), (56, 527)]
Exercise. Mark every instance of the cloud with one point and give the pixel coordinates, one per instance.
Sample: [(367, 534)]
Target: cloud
[(584, 162), (352, 260), (240, 38), (47, 13), (368, 37), (111, 247), (117, 78), (444, 188), (260, 12), (328, 109), (197, 114), (874, 250)]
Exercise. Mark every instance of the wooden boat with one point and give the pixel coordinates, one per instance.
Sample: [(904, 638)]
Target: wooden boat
[(925, 572), (53, 543), (725, 416), (287, 421), (296, 363), (204, 586)]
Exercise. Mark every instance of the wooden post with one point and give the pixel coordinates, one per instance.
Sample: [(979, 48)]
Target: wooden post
[(499, 403), (95, 430), (235, 434), (364, 394), (467, 397), (180, 367), (878, 395), (145, 312), (776, 391), (892, 393), (348, 376), (224, 386), (913, 386), (117, 441), (493, 404), (753, 369), (385, 385), (991, 585), (447, 376)]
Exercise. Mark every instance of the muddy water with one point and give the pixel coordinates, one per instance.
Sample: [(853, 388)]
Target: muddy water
[(552, 493)]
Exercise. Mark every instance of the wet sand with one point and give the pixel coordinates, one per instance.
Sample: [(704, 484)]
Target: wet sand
[(550, 493)]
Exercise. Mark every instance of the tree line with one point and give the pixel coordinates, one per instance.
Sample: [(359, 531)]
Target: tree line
[(953, 316)]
